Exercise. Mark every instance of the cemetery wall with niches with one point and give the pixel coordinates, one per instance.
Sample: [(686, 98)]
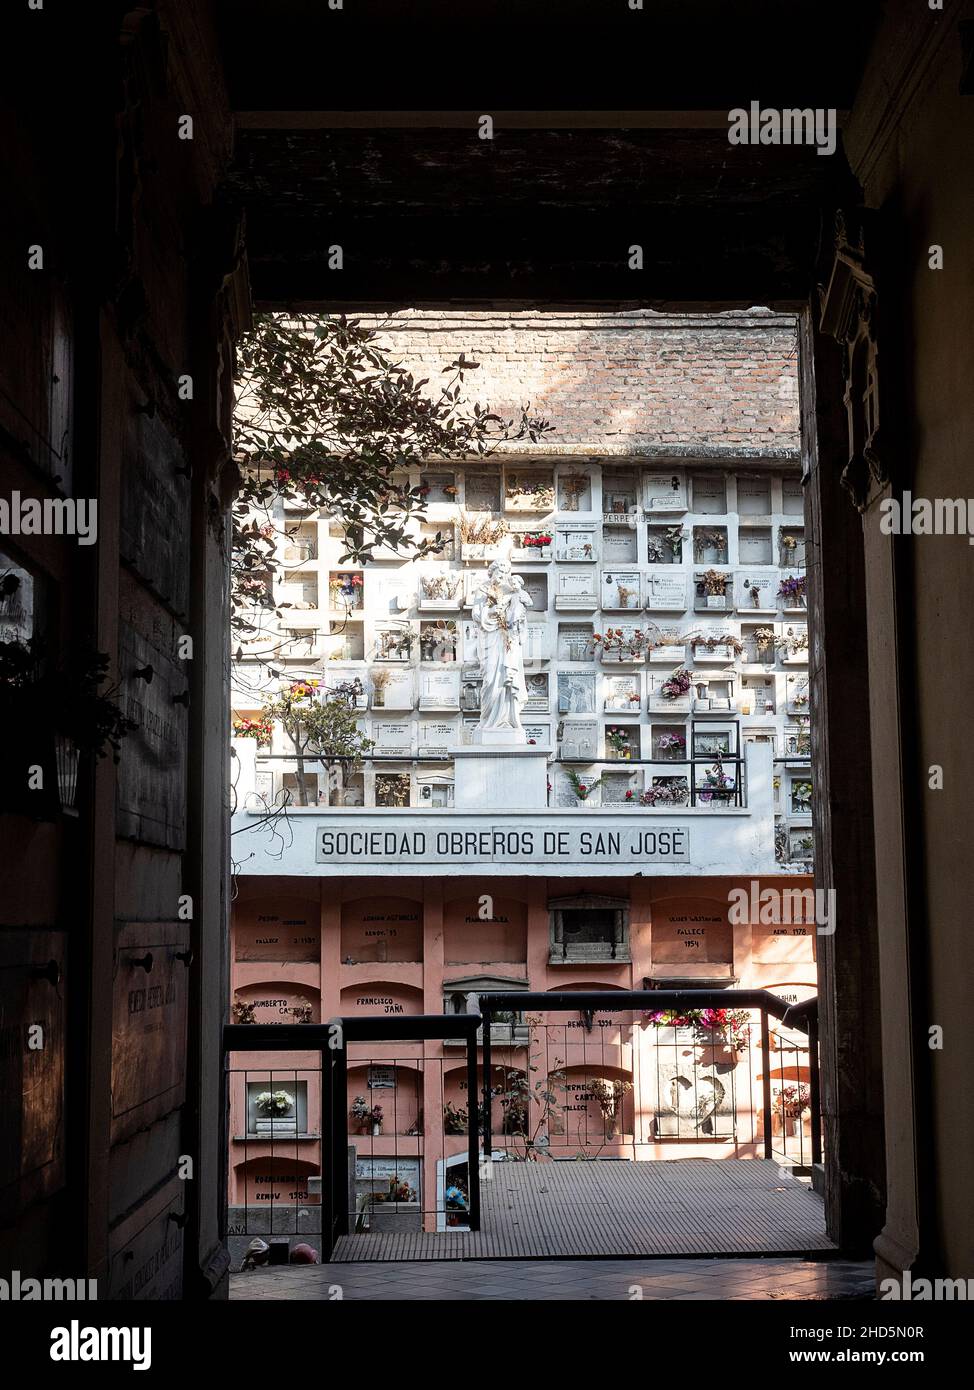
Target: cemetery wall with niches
[(667, 630)]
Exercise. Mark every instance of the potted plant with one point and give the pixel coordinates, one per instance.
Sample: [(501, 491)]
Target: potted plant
[(618, 740), (712, 586), (665, 791), (380, 680), (791, 590), (711, 545), (608, 1096), (367, 1117), (671, 747), (455, 1118), (794, 1102)]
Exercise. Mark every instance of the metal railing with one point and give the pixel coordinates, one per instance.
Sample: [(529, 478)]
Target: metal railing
[(331, 1040), (801, 1017)]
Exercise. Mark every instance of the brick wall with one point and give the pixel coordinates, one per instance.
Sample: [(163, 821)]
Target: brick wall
[(630, 382)]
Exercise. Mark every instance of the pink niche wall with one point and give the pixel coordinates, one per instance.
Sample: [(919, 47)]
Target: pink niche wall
[(472, 938), (381, 929)]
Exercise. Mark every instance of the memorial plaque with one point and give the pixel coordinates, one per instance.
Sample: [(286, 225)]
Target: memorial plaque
[(756, 593), (398, 692), (539, 734), (709, 494), (621, 589), (575, 641), (470, 692), (381, 929), (538, 700), (482, 492), (151, 777), (753, 496), (148, 1024), (667, 593), (696, 932), (564, 789), (392, 736), (576, 543), (576, 692), (280, 1002), (775, 944), (580, 739), (384, 997), (534, 642), (754, 546), (621, 693), (575, 589), (390, 592), (441, 590), (792, 497), (154, 530), (619, 545), (660, 703), (536, 588), (440, 690), (666, 492), (146, 1250), (32, 993), (617, 785), (437, 737), (278, 929)]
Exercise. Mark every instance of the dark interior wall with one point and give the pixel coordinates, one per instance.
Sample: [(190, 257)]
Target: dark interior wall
[(116, 386), (908, 141)]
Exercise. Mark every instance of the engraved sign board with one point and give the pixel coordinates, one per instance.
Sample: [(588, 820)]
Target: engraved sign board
[(280, 929), (440, 690), (381, 929), (621, 693), (398, 690), (146, 1249), (666, 492), (697, 931), (576, 692), (154, 535), (482, 492), (575, 589), (537, 688), (391, 736), (580, 739), (148, 1024), (666, 593), (575, 543), (621, 589), (709, 494), (754, 546), (151, 779), (31, 1067), (792, 497), (753, 496), (756, 592), (437, 737), (775, 944), (619, 545)]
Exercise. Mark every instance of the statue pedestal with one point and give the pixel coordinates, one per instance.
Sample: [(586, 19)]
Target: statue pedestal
[(500, 777)]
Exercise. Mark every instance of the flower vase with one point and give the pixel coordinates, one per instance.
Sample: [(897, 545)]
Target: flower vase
[(376, 1127)]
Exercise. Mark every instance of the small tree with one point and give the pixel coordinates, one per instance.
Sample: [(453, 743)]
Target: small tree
[(327, 418), (325, 729)]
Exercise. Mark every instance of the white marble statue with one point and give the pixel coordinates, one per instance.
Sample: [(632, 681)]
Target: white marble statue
[(499, 609)]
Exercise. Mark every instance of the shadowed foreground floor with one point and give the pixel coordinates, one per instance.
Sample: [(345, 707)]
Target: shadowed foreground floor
[(538, 1281)]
